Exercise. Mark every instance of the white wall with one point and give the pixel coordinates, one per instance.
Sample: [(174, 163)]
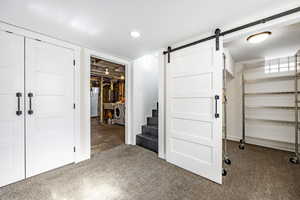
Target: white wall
[(229, 62), (162, 104), (83, 144), (234, 104), (145, 90)]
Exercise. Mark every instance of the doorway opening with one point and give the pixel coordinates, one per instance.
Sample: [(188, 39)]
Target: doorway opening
[(107, 91)]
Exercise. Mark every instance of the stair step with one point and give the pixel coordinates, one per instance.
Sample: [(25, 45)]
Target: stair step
[(147, 142), (154, 113), (150, 130), (152, 121)]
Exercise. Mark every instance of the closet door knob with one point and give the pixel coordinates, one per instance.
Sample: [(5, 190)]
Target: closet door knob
[(19, 111), (30, 111)]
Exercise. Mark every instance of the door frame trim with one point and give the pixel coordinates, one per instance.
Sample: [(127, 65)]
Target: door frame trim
[(128, 93)]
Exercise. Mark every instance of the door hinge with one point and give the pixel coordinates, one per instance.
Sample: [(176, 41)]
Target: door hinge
[(73, 62), (74, 106), (74, 149)]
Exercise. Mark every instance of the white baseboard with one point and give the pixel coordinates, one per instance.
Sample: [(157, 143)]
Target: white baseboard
[(266, 143)]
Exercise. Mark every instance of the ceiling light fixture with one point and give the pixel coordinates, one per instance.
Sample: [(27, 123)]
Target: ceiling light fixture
[(258, 37), (122, 77), (135, 34), (106, 71)]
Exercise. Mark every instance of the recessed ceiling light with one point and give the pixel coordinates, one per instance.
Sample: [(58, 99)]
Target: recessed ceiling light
[(135, 34), (258, 37)]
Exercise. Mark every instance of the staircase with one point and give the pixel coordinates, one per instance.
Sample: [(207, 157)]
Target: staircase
[(149, 136)]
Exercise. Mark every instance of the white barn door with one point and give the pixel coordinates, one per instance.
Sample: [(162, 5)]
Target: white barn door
[(193, 133), (12, 166), (49, 107)]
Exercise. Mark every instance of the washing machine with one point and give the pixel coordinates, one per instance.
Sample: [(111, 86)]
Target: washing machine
[(119, 114)]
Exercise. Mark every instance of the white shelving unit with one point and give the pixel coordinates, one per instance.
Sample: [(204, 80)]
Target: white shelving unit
[(290, 64)]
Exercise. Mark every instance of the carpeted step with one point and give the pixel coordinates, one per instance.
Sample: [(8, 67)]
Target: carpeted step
[(150, 130), (147, 142), (154, 113), (152, 121)]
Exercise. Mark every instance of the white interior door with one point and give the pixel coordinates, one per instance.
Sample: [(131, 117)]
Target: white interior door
[(193, 133), (49, 127), (12, 167)]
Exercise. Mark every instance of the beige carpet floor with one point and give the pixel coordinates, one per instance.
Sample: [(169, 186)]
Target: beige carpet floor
[(133, 173)]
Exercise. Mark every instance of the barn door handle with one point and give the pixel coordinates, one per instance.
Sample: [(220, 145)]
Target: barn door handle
[(19, 111), (30, 111), (217, 97)]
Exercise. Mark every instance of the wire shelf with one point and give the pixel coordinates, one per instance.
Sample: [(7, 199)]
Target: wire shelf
[(285, 69), (291, 123), (269, 93), (272, 107), (267, 79)]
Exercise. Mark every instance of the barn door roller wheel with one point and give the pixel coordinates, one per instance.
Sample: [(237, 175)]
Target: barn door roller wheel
[(224, 172)]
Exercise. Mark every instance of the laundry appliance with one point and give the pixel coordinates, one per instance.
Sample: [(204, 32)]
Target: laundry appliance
[(119, 113)]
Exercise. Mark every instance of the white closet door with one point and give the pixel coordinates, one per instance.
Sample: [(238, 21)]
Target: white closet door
[(193, 134), (49, 127), (12, 167)]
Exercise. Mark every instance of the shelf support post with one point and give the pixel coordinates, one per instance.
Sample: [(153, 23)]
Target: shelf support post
[(295, 159), (242, 141)]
